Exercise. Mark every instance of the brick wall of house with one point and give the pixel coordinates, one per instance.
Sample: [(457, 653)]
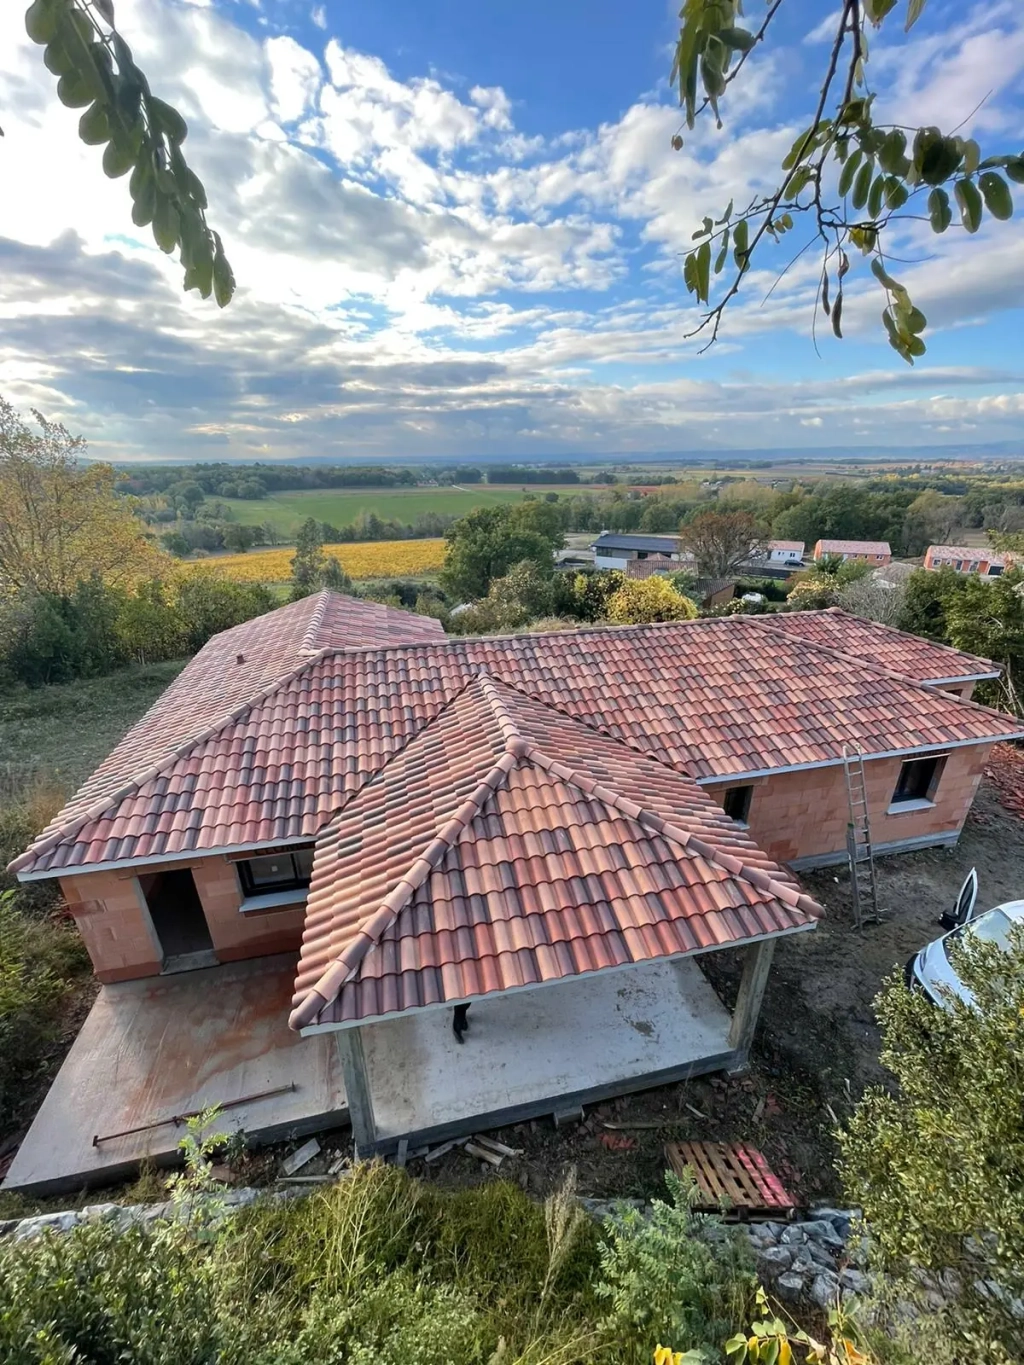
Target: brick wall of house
[(110, 912), (256, 934), (803, 815)]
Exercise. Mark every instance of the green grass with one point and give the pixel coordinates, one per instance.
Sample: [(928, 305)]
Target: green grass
[(64, 732), (339, 507)]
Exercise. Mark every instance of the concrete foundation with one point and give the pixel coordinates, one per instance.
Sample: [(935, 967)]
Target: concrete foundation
[(534, 1051), (169, 1045)]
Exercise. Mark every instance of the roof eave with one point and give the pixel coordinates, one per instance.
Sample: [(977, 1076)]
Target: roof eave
[(308, 1030)]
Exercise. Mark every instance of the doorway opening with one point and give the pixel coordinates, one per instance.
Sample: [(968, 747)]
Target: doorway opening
[(179, 921)]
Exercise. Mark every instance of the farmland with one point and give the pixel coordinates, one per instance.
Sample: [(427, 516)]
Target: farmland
[(366, 559), (338, 507)]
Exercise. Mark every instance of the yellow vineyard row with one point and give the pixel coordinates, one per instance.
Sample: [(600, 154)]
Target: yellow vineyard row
[(370, 559)]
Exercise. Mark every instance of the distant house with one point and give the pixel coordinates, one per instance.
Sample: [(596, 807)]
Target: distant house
[(780, 552), (613, 550), (870, 551), (968, 559)]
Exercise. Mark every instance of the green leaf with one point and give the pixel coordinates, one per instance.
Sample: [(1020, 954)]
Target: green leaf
[(690, 272), (703, 271), (837, 315), (895, 193), (914, 11), (704, 230), (892, 154), (1015, 169), (738, 39), (41, 21), (118, 159), (94, 126), (862, 185), (972, 155), (223, 277), (740, 242), (73, 92), (875, 196), (939, 210), (144, 203), (798, 181), (802, 147), (882, 275), (849, 171), (165, 224), (996, 192), (723, 253), (166, 119), (969, 200)]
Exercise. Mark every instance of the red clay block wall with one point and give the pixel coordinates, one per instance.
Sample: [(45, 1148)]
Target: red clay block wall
[(235, 935), (798, 815), (110, 913)]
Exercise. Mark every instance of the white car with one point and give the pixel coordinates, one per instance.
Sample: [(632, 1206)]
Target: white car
[(930, 970)]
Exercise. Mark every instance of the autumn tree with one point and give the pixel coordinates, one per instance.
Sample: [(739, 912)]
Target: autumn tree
[(486, 543), (138, 132), (61, 520), (720, 541), (846, 180), (641, 601)]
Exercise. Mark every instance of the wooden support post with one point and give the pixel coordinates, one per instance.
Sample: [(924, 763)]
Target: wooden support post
[(357, 1090), (756, 967)]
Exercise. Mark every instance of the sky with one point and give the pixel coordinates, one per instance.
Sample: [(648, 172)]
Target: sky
[(458, 231)]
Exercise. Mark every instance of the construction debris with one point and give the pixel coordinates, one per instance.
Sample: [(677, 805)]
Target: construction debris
[(482, 1153), (732, 1176), (498, 1147), (1005, 770), (301, 1157)]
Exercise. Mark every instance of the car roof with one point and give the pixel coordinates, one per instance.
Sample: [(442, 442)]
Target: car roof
[(1011, 909)]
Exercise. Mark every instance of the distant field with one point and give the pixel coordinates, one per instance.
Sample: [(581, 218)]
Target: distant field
[(340, 506), (364, 559)]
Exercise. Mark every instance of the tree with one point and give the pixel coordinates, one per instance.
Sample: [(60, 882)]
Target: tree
[(988, 619), (641, 601), (937, 1161), (846, 178), (239, 538), (138, 132), (876, 598), (308, 562), (484, 545), (584, 596), (60, 520), (929, 521), (522, 595), (720, 541)]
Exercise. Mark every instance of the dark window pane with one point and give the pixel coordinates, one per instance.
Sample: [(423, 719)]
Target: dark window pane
[(303, 865), (272, 871), (737, 802), (916, 780)]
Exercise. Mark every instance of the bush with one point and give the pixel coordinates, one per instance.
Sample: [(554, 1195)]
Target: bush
[(938, 1162), (677, 1278), (643, 600), (39, 959)]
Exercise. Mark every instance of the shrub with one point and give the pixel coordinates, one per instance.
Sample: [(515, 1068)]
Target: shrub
[(677, 1277), (640, 601), (39, 959), (938, 1163)]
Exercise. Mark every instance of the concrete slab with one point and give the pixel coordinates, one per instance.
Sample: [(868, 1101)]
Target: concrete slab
[(169, 1045), (534, 1050)]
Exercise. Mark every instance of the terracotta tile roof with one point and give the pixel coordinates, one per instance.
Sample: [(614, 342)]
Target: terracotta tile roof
[(889, 648), (232, 671), (712, 698), (852, 547), (973, 554), (655, 564), (508, 845)]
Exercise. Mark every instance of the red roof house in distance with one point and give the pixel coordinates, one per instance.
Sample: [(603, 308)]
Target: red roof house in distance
[(978, 560), (338, 818), (870, 551)]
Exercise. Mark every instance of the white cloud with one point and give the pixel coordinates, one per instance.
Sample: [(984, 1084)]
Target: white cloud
[(295, 78)]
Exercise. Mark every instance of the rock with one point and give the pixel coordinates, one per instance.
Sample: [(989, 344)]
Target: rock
[(775, 1259), (854, 1282), (793, 1235), (790, 1286), (100, 1213), (774, 1230), (821, 1257), (825, 1290), (45, 1222), (822, 1232)]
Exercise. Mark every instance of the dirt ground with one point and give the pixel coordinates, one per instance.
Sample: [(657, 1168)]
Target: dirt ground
[(816, 1048)]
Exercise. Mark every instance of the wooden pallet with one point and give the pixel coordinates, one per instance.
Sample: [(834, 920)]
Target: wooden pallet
[(733, 1177)]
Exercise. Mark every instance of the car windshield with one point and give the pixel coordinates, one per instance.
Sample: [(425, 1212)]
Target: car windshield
[(992, 928)]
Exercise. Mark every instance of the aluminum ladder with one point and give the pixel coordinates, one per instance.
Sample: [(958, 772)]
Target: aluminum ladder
[(863, 882)]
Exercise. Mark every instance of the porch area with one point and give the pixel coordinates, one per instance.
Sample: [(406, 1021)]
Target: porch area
[(543, 1051), (166, 1046)]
